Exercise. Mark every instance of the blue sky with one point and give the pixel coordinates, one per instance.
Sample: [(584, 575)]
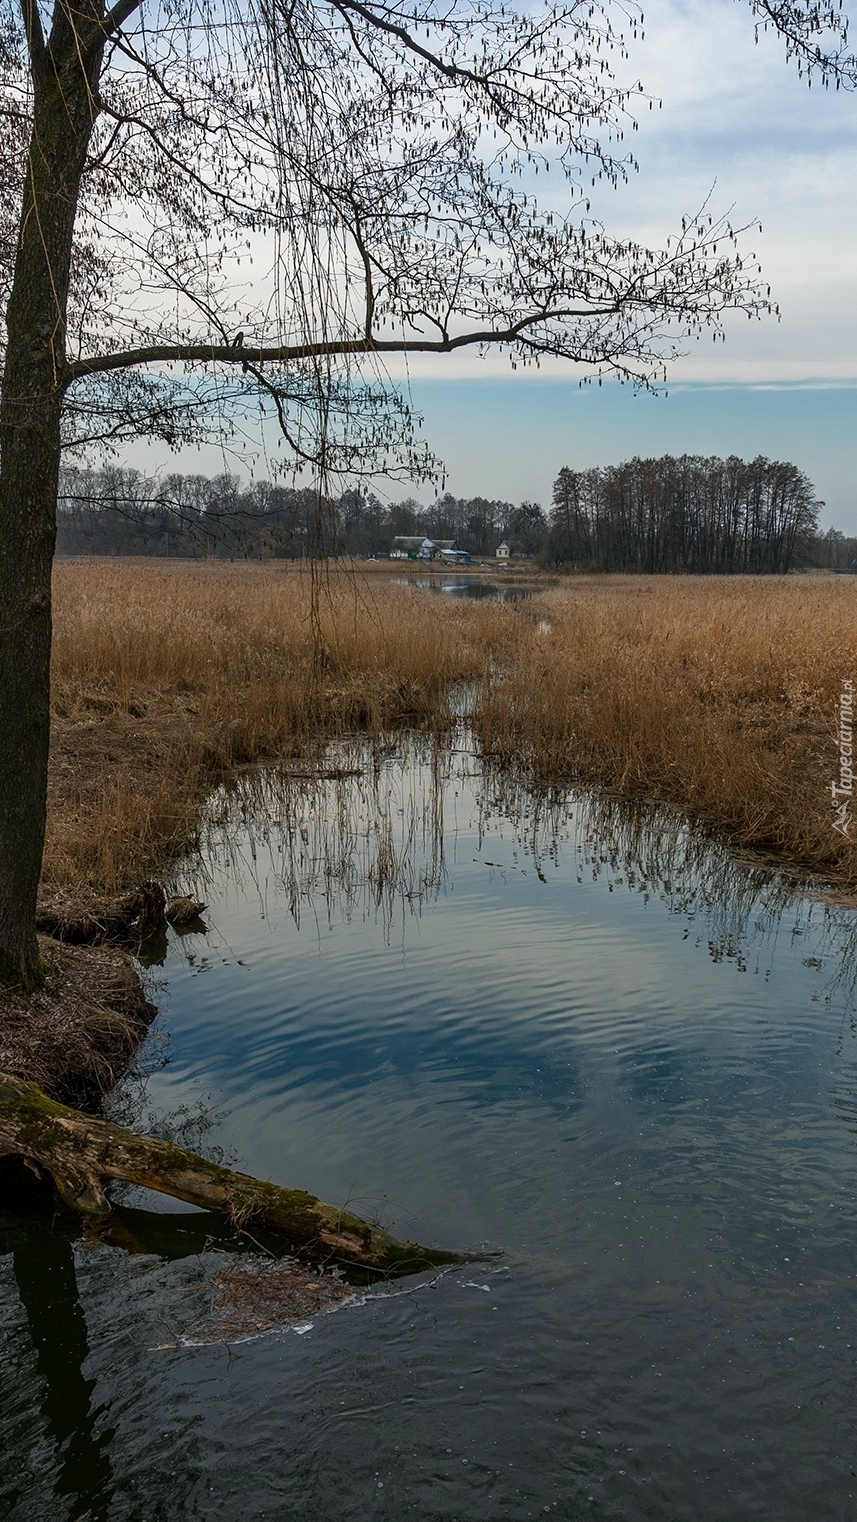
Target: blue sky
[(737, 123), (508, 438)]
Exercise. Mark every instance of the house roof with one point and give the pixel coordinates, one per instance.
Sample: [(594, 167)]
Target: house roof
[(410, 541)]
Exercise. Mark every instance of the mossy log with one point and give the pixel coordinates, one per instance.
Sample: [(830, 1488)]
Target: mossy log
[(81, 1153)]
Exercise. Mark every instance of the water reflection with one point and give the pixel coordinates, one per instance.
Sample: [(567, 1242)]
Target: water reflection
[(43, 1266), (580, 1030), (734, 901), (474, 587), (564, 1025), (369, 836)]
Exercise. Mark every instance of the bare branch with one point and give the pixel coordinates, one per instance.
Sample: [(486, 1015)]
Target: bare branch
[(33, 32), (101, 29), (285, 354), (450, 70), (118, 15)]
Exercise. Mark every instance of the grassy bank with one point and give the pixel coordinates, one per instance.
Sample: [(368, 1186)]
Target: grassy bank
[(719, 695)]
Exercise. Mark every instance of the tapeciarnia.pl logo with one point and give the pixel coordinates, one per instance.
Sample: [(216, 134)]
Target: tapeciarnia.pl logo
[(841, 791)]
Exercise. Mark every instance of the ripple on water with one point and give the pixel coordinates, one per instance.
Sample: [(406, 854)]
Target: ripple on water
[(569, 1028)]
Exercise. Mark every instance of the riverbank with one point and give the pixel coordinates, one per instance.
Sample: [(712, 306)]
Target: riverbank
[(76, 1036), (719, 695), (168, 675), (729, 697), (581, 1033)]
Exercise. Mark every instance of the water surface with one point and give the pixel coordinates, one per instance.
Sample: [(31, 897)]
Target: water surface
[(570, 1029), (475, 587)]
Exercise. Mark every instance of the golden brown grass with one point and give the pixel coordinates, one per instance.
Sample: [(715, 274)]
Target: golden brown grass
[(167, 675), (77, 1034), (716, 694)]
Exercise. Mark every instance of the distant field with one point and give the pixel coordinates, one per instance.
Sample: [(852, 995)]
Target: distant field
[(717, 694)]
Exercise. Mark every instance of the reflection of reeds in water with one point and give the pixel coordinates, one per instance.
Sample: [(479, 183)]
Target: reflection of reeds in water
[(167, 677), (370, 832), (361, 835), (739, 904), (717, 694)]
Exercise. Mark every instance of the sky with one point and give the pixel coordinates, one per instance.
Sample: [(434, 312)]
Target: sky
[(736, 122)]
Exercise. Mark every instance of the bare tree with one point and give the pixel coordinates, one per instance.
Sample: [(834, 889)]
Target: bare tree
[(249, 203)]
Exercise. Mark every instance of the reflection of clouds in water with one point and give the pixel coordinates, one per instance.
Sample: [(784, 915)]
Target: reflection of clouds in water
[(504, 966), (571, 1026), (664, 1075), (741, 906), (374, 833)]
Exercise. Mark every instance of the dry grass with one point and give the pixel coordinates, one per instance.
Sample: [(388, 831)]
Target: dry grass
[(252, 1297), (719, 695), (78, 1033), (167, 675)]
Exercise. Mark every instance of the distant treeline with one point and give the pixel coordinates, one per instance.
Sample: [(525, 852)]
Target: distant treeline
[(117, 511), (688, 514)]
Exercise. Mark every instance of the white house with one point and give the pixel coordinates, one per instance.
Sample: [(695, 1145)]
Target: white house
[(411, 547), (502, 551)]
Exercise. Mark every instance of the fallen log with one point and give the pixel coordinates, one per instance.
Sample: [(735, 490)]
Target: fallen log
[(137, 914), (81, 1153)]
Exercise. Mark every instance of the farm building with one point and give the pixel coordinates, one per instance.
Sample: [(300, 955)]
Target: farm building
[(411, 547), (416, 547), (449, 552)]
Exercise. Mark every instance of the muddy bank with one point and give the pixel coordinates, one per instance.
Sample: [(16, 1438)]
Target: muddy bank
[(77, 1035)]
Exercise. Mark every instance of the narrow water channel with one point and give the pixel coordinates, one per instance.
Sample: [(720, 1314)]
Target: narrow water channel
[(564, 1027)]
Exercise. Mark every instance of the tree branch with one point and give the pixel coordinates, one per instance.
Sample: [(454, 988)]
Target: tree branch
[(82, 1153), (285, 354), (119, 14), (451, 70), (101, 29)]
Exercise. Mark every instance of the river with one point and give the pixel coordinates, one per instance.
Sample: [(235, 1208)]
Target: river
[(568, 1028)]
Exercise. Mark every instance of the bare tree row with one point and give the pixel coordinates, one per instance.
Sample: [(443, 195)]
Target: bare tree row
[(667, 515), (116, 510), (688, 514)]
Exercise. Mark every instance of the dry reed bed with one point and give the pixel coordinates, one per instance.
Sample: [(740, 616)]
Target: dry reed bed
[(719, 694), (167, 675), (716, 694)]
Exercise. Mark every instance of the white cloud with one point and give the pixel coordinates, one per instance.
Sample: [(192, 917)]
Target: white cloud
[(736, 121)]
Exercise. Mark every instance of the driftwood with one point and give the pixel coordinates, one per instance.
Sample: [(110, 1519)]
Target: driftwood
[(81, 1153), (143, 912), (183, 912)]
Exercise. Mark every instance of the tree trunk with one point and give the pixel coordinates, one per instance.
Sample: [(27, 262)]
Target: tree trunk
[(64, 72), (81, 1153)]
